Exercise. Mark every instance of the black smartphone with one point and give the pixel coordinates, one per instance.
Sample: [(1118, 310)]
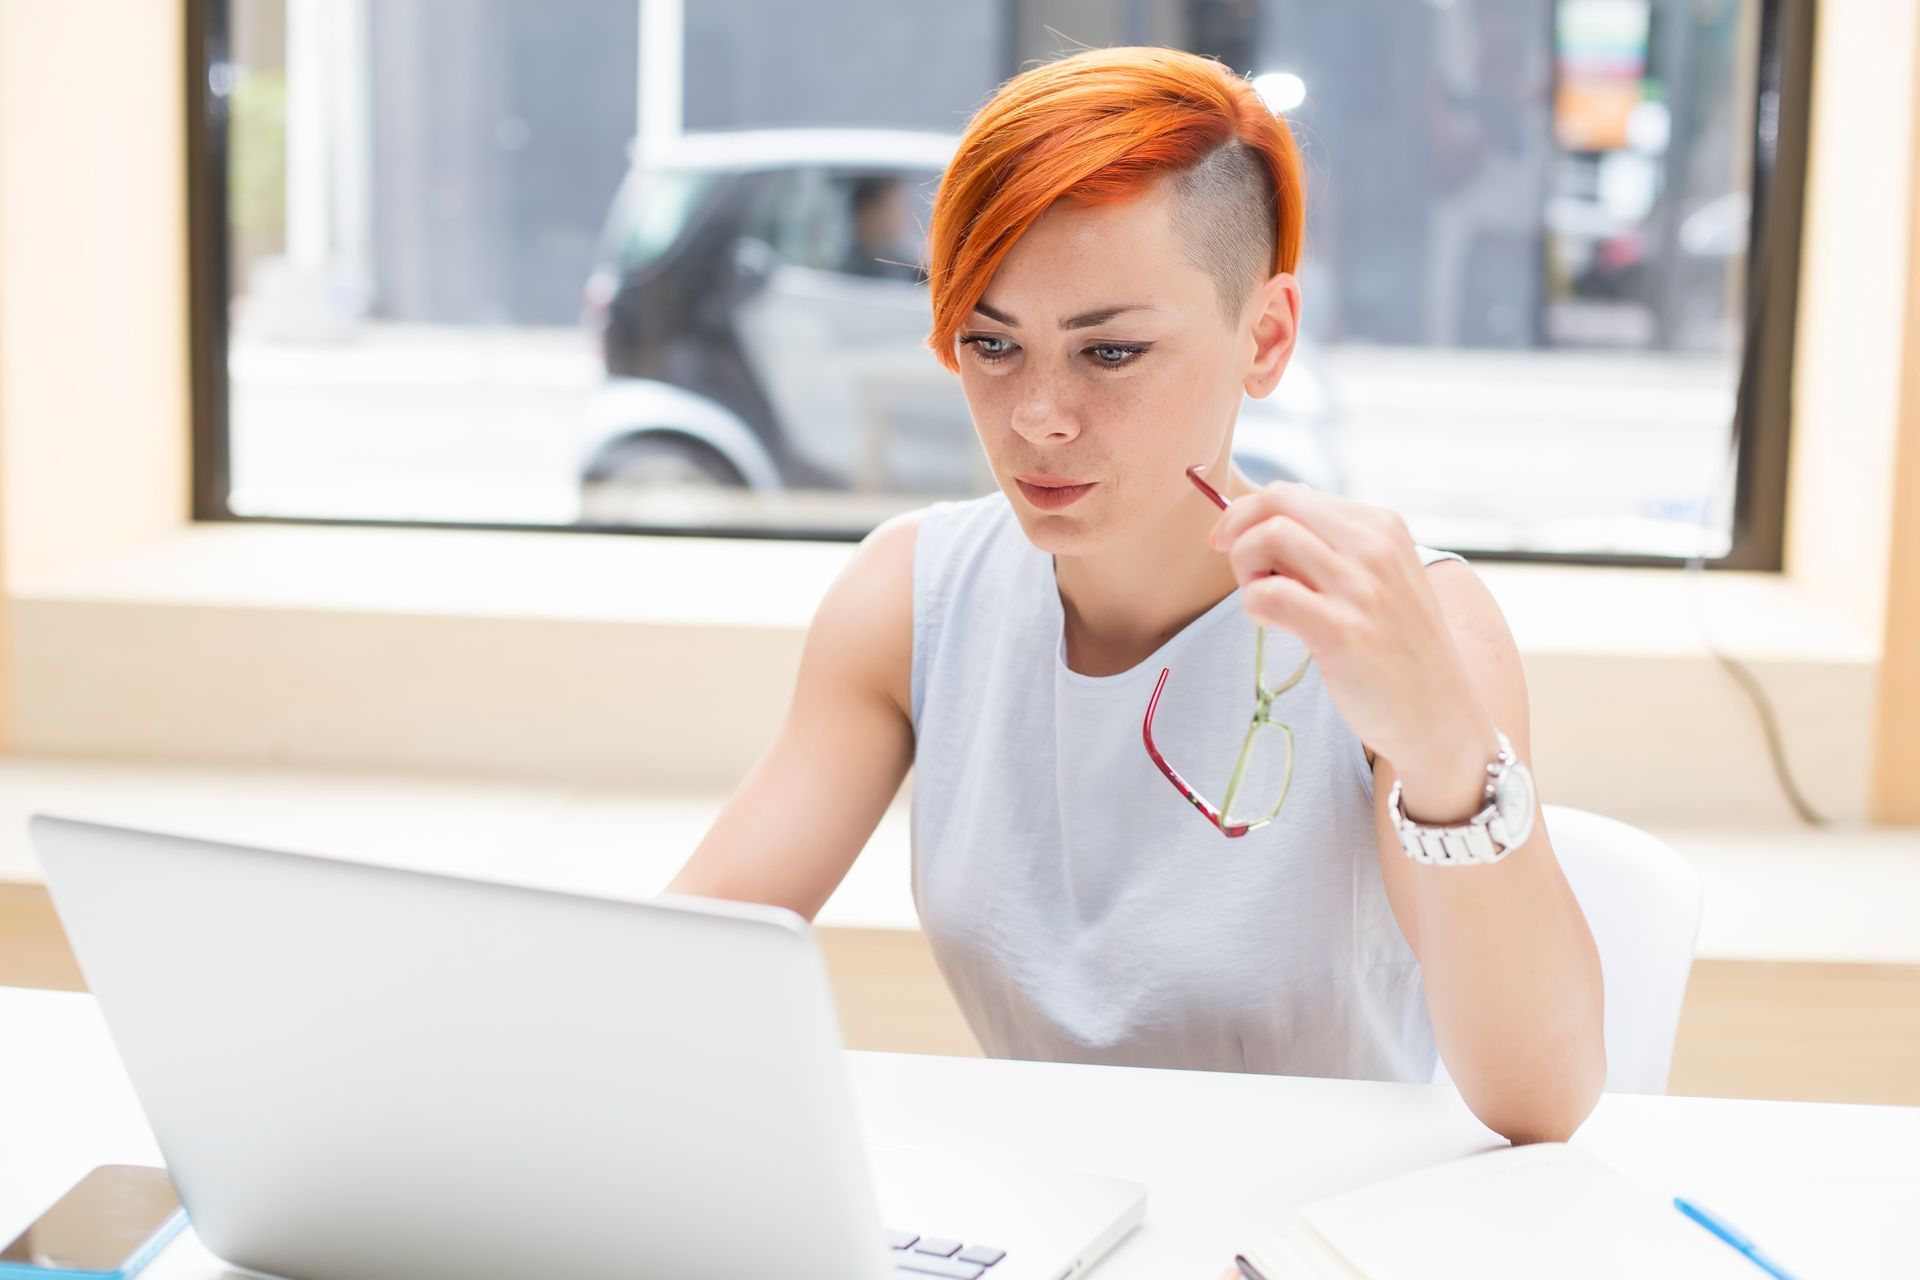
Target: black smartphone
[(110, 1225)]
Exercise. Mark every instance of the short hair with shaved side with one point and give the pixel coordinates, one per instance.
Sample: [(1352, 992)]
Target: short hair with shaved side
[(1106, 126), (1223, 211)]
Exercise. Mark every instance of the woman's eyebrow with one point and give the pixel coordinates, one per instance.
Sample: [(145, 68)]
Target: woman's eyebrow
[(1089, 319), (1085, 320)]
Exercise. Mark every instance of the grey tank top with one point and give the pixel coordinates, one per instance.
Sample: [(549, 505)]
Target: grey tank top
[(1077, 905)]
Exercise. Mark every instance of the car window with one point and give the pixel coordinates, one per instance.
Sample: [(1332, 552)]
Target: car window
[(868, 223), (653, 211)]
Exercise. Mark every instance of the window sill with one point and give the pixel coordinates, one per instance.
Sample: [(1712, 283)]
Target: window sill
[(552, 576), (665, 662), (735, 582)]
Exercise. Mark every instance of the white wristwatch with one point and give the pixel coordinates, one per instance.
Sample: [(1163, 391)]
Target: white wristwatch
[(1489, 835)]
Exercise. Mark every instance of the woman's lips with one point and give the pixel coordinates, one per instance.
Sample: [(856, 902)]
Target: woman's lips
[(1053, 495)]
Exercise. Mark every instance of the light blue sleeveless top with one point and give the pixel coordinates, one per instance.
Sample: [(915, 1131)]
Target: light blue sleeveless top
[(1079, 908)]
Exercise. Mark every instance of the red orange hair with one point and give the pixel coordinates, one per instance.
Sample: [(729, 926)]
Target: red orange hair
[(1099, 127)]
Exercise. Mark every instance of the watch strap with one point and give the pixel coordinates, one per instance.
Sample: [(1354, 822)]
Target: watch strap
[(1470, 843)]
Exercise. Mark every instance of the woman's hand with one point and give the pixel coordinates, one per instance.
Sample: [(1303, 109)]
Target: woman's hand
[(1345, 578), (1423, 667)]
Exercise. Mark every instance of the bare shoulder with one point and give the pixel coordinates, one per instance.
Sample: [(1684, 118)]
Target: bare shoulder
[(1472, 613), (863, 631), (892, 543)]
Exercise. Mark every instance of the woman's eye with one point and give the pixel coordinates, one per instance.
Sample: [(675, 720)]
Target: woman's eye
[(1112, 356), (988, 349)]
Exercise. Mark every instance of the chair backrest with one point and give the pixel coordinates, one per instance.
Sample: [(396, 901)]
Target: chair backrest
[(1642, 902)]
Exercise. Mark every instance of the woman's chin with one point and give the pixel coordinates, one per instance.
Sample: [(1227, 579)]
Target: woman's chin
[(1064, 533)]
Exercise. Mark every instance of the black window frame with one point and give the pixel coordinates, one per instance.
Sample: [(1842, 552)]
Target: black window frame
[(1764, 391)]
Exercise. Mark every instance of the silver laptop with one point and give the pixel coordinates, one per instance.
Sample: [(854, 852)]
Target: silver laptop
[(356, 1071)]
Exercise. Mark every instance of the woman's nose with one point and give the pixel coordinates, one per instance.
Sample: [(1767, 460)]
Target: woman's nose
[(1041, 415)]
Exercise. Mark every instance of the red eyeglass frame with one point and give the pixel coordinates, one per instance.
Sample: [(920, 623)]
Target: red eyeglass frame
[(1264, 700)]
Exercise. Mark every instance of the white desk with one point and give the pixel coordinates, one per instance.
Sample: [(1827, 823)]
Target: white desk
[(1833, 1191)]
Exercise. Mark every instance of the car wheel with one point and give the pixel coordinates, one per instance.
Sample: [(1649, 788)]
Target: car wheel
[(626, 481)]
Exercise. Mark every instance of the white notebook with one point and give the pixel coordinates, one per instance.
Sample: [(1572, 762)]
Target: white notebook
[(1519, 1213)]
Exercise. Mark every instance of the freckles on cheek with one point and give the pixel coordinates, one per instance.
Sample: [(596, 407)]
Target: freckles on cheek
[(1159, 418), (988, 413), (1201, 385), (1207, 402)]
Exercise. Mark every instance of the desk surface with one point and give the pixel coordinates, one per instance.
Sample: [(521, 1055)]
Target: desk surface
[(1830, 1190)]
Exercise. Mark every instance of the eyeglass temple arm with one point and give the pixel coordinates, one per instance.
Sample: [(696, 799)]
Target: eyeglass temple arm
[(1260, 641), (1180, 784), (1213, 494)]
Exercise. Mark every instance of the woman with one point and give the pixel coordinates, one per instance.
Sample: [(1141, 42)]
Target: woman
[(1112, 256)]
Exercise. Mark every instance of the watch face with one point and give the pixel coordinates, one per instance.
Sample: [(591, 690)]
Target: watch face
[(1514, 802)]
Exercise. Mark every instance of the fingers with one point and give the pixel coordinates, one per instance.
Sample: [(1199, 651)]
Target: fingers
[(1349, 527), (1281, 544), (1294, 607)]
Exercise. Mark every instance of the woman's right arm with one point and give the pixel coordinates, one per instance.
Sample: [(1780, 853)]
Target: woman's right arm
[(793, 827)]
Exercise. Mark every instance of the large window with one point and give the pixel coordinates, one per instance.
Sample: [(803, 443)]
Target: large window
[(656, 264)]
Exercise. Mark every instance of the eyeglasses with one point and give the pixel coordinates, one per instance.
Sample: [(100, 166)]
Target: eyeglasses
[(1262, 719)]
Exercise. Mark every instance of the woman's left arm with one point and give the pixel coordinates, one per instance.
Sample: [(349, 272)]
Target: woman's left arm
[(1422, 666)]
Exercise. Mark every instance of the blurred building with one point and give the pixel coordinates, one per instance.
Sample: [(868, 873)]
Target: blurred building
[(1485, 173)]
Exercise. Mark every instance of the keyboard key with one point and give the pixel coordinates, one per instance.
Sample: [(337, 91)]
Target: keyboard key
[(919, 1264), (900, 1239), (938, 1247), (984, 1254)]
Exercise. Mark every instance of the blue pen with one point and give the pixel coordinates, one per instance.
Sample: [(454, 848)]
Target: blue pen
[(1725, 1231)]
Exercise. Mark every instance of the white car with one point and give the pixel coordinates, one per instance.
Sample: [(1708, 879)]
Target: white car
[(762, 312)]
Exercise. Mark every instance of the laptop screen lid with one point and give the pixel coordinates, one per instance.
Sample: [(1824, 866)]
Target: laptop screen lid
[(357, 1071)]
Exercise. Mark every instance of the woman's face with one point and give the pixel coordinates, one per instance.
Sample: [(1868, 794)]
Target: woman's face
[(1098, 367)]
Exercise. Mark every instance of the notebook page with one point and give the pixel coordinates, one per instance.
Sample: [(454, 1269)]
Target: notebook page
[(1519, 1213), (1298, 1253)]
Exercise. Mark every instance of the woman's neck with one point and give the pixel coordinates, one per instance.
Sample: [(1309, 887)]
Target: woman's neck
[(1123, 602)]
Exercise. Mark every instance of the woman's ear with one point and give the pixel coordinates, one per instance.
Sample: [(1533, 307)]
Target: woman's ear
[(1275, 313)]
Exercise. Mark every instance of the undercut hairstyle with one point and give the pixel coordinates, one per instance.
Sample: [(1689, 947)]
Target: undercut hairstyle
[(1105, 126), (1223, 212)]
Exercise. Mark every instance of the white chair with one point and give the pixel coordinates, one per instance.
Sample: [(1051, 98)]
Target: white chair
[(1642, 902)]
